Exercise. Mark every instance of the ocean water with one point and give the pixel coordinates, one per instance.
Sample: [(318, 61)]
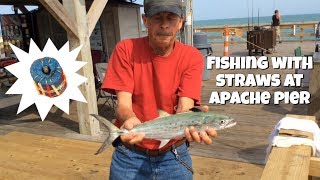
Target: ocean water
[(256, 20), (266, 20)]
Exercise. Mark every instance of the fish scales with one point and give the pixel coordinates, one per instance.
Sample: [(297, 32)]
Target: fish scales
[(168, 127)]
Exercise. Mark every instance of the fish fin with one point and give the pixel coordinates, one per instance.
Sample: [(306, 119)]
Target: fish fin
[(163, 142), (163, 113), (106, 143), (111, 136)]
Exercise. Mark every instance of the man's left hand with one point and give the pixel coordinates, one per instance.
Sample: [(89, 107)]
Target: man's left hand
[(203, 136)]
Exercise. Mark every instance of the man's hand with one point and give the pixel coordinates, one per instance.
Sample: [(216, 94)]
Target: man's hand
[(202, 136), (126, 115), (132, 138)]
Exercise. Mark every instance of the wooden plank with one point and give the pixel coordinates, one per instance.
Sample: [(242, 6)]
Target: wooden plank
[(87, 124), (304, 117), (105, 27), (215, 169), (28, 156), (61, 15), (94, 14), (295, 133), (314, 169), (108, 30), (289, 163), (252, 153), (9, 101)]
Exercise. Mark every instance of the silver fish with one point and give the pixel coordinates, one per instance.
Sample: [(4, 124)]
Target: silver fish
[(167, 127)]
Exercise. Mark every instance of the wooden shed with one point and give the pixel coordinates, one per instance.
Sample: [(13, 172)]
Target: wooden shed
[(94, 24), (119, 20)]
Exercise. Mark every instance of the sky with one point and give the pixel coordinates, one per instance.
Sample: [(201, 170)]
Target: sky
[(9, 10), (224, 9)]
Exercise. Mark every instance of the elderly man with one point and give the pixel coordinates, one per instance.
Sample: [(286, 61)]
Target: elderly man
[(148, 74)]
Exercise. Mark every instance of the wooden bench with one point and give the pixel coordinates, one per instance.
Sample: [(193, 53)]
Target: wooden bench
[(294, 162)]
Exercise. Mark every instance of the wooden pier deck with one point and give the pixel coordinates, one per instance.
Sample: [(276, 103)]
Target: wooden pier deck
[(237, 153), (247, 141)]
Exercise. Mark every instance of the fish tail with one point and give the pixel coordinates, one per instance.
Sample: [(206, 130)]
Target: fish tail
[(111, 136)]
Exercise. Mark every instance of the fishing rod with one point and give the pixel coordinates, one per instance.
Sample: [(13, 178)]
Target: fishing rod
[(258, 18), (252, 13), (248, 15)]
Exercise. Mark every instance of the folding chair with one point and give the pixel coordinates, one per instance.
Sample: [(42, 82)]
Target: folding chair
[(109, 98)]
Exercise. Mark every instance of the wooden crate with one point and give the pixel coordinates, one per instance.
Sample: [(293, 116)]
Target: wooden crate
[(294, 162)]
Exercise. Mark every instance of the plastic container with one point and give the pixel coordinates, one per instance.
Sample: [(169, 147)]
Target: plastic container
[(200, 41)]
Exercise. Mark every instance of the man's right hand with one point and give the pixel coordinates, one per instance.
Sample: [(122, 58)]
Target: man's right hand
[(132, 138)]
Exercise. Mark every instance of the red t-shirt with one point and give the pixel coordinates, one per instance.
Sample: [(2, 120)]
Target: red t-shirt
[(155, 82)]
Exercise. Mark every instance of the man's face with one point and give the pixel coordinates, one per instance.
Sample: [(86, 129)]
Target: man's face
[(162, 28)]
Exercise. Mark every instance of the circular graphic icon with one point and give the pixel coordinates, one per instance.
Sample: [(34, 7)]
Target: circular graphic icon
[(48, 77)]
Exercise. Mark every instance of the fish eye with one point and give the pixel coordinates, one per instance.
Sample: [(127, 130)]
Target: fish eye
[(222, 122)]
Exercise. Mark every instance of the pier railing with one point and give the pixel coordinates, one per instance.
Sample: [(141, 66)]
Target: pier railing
[(298, 31)]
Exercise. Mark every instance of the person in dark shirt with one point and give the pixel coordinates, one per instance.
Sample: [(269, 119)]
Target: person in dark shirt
[(276, 19)]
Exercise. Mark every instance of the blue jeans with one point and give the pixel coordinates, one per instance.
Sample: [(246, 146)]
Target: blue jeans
[(128, 165)]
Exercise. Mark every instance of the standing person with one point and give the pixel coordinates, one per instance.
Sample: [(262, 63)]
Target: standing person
[(276, 19), (148, 74)]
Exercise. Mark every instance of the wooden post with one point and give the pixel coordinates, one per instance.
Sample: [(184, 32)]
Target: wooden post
[(104, 31), (314, 89), (301, 36), (77, 9), (314, 168), (293, 162), (73, 18), (94, 14), (189, 23), (187, 30), (287, 163)]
